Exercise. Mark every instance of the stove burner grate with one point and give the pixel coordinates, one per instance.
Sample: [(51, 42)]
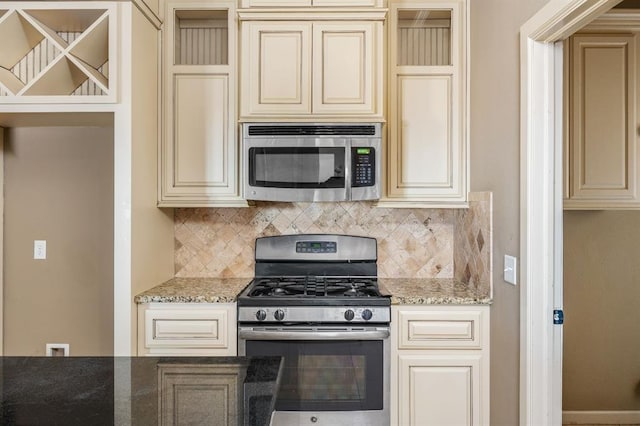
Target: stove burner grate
[(314, 286)]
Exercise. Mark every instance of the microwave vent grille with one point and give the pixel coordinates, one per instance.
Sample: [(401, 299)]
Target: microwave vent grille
[(312, 130)]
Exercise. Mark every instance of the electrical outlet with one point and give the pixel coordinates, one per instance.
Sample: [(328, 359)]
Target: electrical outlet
[(57, 349), (510, 269), (40, 249)]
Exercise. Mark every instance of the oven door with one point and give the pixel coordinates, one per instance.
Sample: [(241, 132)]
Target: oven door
[(332, 375), (297, 169)]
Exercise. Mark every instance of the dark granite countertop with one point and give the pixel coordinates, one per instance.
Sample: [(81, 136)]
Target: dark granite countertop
[(138, 390)]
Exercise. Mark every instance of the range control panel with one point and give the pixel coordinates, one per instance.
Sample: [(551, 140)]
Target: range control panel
[(316, 247), (363, 160)]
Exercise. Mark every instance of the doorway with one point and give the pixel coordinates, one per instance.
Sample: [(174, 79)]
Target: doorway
[(601, 374)]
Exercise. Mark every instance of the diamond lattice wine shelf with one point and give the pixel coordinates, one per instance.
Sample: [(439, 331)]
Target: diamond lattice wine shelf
[(54, 52)]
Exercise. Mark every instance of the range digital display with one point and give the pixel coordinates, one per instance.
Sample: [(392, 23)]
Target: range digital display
[(316, 247)]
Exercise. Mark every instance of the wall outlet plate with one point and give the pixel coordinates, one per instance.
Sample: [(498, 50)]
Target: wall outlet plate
[(57, 349), (40, 249), (510, 269)]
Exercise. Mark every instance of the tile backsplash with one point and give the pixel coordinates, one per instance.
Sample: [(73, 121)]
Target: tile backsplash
[(412, 243)]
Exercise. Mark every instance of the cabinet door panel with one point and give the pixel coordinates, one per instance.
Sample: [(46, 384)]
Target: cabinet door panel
[(198, 395), (603, 139), (424, 160), (200, 133), (344, 77), (439, 390), (276, 68)]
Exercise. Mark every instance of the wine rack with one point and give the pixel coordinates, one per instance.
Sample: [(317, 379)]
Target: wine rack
[(56, 52)]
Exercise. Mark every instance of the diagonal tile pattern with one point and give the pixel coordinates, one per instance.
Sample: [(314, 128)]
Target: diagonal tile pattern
[(412, 243), (473, 243)]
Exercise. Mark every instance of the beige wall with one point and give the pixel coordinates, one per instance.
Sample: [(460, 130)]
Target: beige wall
[(151, 227), (59, 188), (601, 304), (495, 158)]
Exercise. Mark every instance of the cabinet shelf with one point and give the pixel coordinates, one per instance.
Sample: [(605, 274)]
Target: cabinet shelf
[(55, 52)]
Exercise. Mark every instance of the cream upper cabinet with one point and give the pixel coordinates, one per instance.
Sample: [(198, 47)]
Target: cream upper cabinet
[(427, 155), (199, 153), (345, 67), (440, 365), (276, 70), (316, 68), (308, 3), (601, 140)]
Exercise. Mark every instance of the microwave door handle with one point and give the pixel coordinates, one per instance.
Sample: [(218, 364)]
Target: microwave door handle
[(313, 335), (348, 171)]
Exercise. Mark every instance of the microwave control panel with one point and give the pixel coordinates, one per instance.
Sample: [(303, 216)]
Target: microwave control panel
[(363, 160)]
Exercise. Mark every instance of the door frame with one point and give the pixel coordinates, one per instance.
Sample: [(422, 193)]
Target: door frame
[(541, 129)]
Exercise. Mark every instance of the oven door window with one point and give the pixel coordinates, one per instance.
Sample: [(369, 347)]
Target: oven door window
[(297, 167), (327, 375)]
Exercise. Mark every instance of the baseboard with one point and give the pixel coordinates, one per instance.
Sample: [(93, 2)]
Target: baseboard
[(600, 417)]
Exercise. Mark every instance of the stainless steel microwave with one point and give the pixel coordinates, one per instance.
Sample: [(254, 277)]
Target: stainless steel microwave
[(311, 162)]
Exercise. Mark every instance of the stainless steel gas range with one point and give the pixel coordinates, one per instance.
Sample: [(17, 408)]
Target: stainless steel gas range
[(315, 301)]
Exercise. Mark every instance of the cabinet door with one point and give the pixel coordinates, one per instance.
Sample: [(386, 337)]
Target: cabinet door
[(603, 153), (198, 395), (199, 158), (306, 3), (276, 68), (346, 67), (276, 3), (437, 390), (427, 156)]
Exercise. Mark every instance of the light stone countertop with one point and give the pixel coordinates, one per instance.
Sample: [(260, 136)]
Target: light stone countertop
[(195, 290), (430, 291), (403, 291)]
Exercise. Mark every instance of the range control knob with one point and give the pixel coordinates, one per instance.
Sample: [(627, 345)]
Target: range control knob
[(367, 314), (279, 315), (261, 315), (349, 314)]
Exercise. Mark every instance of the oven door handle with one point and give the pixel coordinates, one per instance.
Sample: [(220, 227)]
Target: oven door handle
[(313, 335)]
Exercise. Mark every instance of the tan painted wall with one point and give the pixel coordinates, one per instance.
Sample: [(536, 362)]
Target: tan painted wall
[(58, 187), (151, 227), (495, 166), (601, 304)]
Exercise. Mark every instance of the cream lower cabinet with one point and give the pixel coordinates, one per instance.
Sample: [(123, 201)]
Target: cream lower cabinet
[(324, 68), (601, 143), (427, 148), (177, 329), (200, 149), (440, 365)]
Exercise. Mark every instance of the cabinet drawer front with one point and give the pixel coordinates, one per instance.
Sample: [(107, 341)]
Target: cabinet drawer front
[(186, 329), (440, 329)]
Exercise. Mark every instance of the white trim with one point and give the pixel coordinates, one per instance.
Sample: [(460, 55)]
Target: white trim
[(537, 226), (540, 203), (557, 332), (122, 175), (601, 417)]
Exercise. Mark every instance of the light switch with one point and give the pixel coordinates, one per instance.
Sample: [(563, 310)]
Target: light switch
[(40, 249), (510, 269)]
